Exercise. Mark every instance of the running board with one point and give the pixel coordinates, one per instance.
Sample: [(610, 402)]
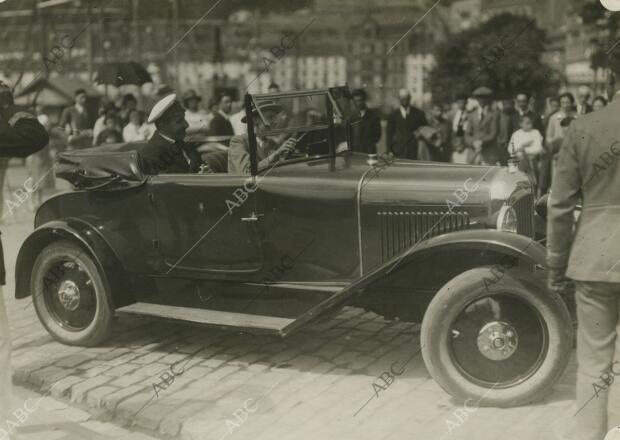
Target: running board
[(209, 317)]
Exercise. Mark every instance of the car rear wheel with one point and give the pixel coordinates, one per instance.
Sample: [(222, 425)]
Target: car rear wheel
[(500, 340), (70, 295)]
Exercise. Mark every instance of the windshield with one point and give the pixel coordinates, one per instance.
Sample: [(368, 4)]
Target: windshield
[(295, 112)]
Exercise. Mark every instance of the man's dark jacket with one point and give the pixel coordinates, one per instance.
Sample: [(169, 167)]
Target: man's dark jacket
[(160, 156), (367, 132), (21, 134), (587, 172), (400, 137)]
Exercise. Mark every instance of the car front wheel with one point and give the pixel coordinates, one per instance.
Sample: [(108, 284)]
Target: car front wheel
[(70, 295), (497, 339)]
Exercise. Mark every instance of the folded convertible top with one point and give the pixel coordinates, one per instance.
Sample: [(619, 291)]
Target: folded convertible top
[(108, 167)]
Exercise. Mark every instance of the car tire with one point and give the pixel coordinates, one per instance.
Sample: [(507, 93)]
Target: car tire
[(496, 338), (70, 295)]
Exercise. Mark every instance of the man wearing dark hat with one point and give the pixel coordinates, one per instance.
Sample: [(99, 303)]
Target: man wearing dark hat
[(267, 152), (483, 128), (166, 152), (21, 134)]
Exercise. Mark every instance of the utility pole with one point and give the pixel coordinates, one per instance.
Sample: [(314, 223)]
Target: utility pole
[(136, 30), (175, 33), (89, 39)]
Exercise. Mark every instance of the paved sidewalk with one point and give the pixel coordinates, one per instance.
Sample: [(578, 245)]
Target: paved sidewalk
[(46, 418), (203, 384)]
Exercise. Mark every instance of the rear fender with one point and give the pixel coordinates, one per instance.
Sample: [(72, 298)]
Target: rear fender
[(88, 238)]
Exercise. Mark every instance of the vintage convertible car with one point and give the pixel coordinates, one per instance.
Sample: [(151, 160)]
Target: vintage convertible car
[(449, 246)]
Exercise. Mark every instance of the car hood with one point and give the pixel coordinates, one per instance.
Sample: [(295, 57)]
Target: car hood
[(405, 182)]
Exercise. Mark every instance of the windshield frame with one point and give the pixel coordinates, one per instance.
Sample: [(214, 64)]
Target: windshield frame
[(332, 109)]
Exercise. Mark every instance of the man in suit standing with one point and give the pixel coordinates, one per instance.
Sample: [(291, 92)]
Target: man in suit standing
[(166, 152), (583, 104), (522, 105), (483, 128), (367, 130), (220, 124), (21, 135), (402, 124), (588, 254)]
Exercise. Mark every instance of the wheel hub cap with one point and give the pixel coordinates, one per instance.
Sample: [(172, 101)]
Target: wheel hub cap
[(497, 340), (69, 295)]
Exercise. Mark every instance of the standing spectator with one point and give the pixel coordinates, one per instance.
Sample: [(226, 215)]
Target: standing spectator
[(76, 122), (483, 128), (108, 110), (599, 103), (430, 146), (443, 127), (212, 109), (583, 106), (128, 104), (135, 130), (461, 154), (20, 135), (220, 125), (194, 115), (110, 134), (402, 124), (526, 144), (522, 103), (587, 254), (366, 130), (553, 106), (557, 127), (508, 124), (459, 121)]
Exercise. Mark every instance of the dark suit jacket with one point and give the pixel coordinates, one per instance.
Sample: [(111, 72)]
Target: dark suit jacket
[(486, 130), (400, 137), (367, 132), (20, 135), (588, 170), (220, 126), (159, 156)]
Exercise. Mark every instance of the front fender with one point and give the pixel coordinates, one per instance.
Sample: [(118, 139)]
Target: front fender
[(427, 266), (84, 235)]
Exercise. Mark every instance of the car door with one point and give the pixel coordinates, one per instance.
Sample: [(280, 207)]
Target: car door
[(206, 225)]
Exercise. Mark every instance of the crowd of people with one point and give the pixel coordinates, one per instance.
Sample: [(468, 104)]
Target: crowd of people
[(477, 129)]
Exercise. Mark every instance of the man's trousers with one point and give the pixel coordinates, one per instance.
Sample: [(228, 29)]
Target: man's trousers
[(598, 308)]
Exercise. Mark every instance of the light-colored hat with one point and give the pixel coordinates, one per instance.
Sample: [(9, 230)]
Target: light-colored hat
[(612, 5), (265, 106), (614, 434), (482, 91), (162, 106)]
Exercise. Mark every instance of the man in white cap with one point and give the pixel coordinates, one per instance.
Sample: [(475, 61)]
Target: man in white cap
[(612, 5), (166, 151)]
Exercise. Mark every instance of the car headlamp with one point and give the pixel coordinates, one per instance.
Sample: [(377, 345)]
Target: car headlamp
[(507, 219)]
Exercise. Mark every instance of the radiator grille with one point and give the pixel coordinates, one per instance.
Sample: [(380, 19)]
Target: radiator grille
[(401, 230), (524, 207)]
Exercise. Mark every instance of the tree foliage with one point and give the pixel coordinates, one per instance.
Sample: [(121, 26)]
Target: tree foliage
[(503, 54)]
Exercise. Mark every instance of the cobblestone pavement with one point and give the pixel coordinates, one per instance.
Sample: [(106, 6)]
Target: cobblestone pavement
[(43, 417), (216, 384)]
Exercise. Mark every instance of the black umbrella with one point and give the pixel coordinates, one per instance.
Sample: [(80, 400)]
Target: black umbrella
[(118, 74)]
